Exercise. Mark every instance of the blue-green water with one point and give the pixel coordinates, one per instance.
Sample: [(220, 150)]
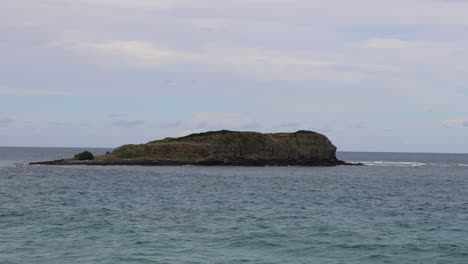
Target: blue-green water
[(402, 208)]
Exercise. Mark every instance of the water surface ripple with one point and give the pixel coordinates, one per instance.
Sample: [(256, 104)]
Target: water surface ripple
[(373, 214)]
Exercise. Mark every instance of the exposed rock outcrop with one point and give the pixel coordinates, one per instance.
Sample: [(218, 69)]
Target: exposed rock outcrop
[(232, 148)]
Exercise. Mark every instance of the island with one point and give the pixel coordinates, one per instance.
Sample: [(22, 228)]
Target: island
[(221, 148)]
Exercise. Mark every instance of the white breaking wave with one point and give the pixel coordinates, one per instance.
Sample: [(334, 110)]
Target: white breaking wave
[(394, 163), (463, 165)]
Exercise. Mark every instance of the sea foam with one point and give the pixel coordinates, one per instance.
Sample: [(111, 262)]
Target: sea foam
[(394, 163)]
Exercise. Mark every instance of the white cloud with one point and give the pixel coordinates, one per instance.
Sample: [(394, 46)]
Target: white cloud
[(384, 61), (333, 58), (6, 121), (393, 44), (141, 53), (411, 50), (216, 119), (224, 120), (403, 12), (128, 123), (261, 63), (170, 124), (16, 91), (89, 4), (116, 115), (456, 122)]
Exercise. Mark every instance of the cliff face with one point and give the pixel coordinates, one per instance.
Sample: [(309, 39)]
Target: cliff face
[(236, 148)]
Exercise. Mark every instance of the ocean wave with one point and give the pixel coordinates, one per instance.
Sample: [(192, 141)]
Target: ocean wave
[(394, 163), (462, 165)]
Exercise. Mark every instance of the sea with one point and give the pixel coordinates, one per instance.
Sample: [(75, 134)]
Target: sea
[(400, 208)]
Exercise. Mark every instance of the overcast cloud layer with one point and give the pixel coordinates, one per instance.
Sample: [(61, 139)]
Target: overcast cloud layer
[(372, 75)]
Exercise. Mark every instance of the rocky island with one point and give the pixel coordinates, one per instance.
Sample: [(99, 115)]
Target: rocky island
[(223, 148)]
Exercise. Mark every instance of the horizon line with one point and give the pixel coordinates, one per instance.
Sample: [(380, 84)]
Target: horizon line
[(354, 151)]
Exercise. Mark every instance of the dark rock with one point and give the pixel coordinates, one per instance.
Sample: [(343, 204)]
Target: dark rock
[(223, 148)]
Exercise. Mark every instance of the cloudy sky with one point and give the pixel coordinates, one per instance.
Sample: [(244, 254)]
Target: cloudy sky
[(373, 75)]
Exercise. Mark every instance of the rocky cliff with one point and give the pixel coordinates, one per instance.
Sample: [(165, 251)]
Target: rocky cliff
[(224, 147)]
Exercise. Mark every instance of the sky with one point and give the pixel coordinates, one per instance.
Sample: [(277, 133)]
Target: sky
[(372, 75)]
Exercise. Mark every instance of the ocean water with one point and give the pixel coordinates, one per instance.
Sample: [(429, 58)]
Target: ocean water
[(401, 208)]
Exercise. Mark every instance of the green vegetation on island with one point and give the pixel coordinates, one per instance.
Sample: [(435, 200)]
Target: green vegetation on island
[(222, 147), (85, 155)]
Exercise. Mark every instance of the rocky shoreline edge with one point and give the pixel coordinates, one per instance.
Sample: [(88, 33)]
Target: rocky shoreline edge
[(247, 163), (219, 148)]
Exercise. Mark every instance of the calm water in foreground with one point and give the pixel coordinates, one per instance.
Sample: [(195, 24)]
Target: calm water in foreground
[(402, 208)]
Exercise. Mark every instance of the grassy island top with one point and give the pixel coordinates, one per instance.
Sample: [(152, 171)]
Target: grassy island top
[(232, 145), (221, 148)]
